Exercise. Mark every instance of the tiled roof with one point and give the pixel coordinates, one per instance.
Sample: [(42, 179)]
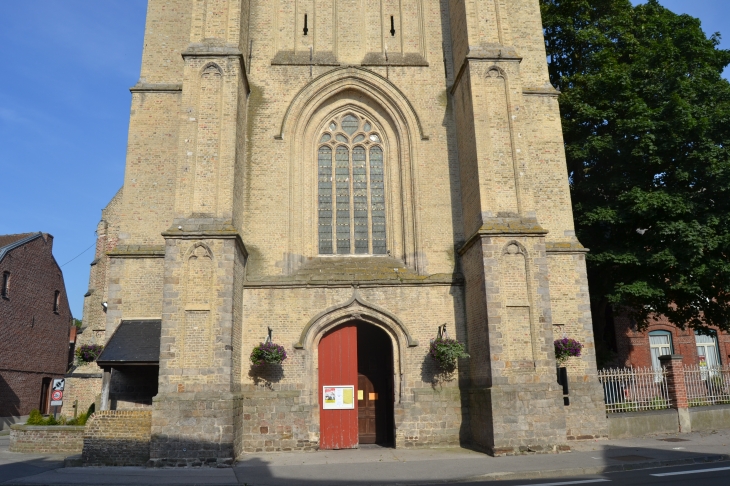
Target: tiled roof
[(5, 240), (11, 242), (134, 342)]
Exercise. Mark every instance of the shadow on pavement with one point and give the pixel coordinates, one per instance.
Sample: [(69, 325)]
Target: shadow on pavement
[(407, 469), (386, 466)]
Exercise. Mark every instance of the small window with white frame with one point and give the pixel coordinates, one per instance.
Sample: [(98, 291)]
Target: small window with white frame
[(660, 343)]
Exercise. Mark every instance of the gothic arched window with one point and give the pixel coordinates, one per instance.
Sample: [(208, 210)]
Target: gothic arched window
[(350, 160)]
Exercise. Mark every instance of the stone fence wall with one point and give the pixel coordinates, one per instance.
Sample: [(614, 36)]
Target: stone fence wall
[(117, 438), (656, 422), (47, 439)]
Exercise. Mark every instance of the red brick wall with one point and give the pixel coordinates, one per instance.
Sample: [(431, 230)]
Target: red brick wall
[(633, 345), (33, 338)]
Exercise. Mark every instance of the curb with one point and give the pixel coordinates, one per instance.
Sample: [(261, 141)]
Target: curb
[(525, 475), (588, 471)]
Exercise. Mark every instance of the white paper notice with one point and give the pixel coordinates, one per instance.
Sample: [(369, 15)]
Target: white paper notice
[(338, 397)]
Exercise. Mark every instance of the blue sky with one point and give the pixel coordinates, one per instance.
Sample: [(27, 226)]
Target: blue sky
[(64, 114)]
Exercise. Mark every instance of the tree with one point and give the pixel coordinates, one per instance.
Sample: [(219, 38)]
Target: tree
[(646, 121)]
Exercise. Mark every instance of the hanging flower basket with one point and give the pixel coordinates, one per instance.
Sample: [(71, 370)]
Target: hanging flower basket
[(446, 351), (87, 353), (267, 353), (566, 348)]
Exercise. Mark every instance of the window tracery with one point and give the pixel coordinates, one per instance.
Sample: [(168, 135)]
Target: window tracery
[(351, 188)]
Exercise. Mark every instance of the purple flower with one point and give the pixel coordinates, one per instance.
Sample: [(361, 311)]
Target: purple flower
[(567, 348), (87, 353), (267, 352)]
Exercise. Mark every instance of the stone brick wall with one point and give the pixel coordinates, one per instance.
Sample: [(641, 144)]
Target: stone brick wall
[(55, 439), (84, 385), (192, 428), (434, 418), (269, 421), (34, 340), (117, 438)]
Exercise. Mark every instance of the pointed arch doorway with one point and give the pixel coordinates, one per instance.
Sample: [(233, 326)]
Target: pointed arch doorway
[(358, 355)]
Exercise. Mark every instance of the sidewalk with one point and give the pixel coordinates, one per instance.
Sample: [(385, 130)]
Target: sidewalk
[(372, 465)]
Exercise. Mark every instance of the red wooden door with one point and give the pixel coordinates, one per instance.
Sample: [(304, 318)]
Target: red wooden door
[(338, 366)]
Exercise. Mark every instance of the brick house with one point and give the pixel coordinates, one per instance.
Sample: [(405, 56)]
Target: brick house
[(642, 348), (35, 319)]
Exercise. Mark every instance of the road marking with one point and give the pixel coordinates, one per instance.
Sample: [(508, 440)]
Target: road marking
[(696, 471), (585, 481)]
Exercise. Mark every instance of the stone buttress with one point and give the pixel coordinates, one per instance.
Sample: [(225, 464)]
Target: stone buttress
[(193, 413), (519, 234)]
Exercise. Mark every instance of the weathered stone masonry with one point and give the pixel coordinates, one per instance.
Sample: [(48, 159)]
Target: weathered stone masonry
[(218, 231)]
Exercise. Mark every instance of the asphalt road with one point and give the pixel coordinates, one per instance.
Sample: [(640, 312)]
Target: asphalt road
[(705, 475)]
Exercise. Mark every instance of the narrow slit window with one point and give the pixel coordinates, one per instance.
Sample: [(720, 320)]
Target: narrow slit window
[(392, 26), (5, 291), (351, 197), (56, 300), (306, 27)]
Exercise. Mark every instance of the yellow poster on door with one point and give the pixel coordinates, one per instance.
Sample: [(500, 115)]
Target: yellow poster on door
[(347, 398)]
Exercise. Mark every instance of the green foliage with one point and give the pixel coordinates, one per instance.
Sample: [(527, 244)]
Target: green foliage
[(36, 418), (79, 420), (87, 353), (77, 323), (446, 351), (267, 353), (657, 403), (646, 120)]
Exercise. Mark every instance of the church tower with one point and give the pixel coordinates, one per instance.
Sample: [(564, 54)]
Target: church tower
[(345, 177)]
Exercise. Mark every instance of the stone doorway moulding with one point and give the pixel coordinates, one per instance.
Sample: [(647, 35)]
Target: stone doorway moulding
[(356, 309)]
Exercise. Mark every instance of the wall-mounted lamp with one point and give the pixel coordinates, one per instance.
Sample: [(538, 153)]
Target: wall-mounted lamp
[(104, 305)]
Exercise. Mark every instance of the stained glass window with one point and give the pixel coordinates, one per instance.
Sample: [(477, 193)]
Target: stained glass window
[(325, 199), (342, 185), (351, 203)]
